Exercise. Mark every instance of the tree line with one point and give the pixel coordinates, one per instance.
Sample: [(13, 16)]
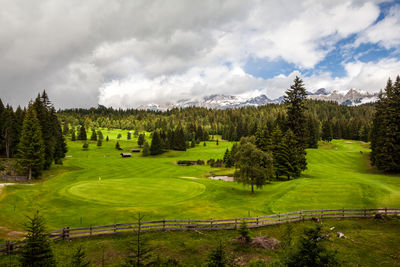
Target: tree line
[(33, 136), (385, 134)]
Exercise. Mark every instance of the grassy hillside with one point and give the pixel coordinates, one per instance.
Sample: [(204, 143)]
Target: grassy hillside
[(99, 187), (369, 242)]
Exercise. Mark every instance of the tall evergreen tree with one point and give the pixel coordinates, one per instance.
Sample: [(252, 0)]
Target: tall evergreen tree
[(385, 133), (179, 139), (146, 149), (141, 139), (263, 138), (37, 250), (78, 258), (327, 132), (82, 133), (155, 147), (93, 137), (297, 122), (31, 147)]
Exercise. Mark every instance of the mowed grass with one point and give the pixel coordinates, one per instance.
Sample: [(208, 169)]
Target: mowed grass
[(98, 187)]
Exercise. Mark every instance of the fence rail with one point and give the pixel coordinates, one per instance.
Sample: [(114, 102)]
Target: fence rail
[(223, 224)]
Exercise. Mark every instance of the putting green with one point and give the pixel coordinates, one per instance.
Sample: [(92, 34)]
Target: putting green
[(135, 191)]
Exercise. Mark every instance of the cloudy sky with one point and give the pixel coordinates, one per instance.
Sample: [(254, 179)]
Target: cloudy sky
[(128, 53)]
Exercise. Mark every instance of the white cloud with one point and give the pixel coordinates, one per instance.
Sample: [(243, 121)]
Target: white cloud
[(385, 33), (128, 53)]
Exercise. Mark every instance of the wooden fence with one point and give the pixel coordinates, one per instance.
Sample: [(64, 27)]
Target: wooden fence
[(224, 224)]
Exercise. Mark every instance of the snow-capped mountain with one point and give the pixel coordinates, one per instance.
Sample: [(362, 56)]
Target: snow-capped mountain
[(218, 101), (352, 97)]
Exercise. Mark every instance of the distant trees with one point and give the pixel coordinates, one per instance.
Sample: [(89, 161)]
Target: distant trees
[(156, 147), (141, 139), (93, 137), (82, 133), (327, 131), (31, 148), (146, 149), (385, 134)]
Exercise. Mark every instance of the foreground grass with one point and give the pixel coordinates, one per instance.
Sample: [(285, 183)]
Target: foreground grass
[(98, 187), (369, 242)]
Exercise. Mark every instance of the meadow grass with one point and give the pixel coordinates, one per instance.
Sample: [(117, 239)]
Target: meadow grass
[(97, 186)]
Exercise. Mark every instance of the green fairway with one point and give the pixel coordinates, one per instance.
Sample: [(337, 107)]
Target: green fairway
[(97, 186)]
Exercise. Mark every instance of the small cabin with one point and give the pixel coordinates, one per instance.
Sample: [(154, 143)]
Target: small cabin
[(126, 155), (135, 150)]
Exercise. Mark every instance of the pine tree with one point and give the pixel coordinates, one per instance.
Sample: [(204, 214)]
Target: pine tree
[(73, 137), (65, 128), (31, 148), (146, 149), (100, 135), (117, 146), (85, 146), (327, 132), (93, 137), (128, 136), (37, 250), (141, 140), (99, 142), (263, 139), (140, 250), (155, 147), (385, 133), (179, 139), (297, 122), (217, 257), (82, 133), (107, 139), (78, 258)]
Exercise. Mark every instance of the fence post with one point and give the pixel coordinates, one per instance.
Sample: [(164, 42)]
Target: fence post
[(63, 233), (67, 232), (115, 227), (90, 230), (279, 217), (164, 225), (235, 224), (257, 222), (386, 211), (343, 212), (322, 214), (211, 223)]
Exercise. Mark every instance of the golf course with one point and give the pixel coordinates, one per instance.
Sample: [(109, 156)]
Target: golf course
[(97, 186)]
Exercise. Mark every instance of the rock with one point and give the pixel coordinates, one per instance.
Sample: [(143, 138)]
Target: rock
[(379, 216), (341, 235), (265, 242), (332, 228)]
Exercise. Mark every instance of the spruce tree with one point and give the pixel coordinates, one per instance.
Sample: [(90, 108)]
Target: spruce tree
[(146, 149), (117, 146), (37, 250), (93, 137), (78, 258), (385, 133), (141, 140), (297, 121), (99, 142), (73, 137), (31, 147), (128, 136), (179, 139), (82, 133), (263, 139), (100, 135), (155, 147), (327, 132), (107, 139)]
